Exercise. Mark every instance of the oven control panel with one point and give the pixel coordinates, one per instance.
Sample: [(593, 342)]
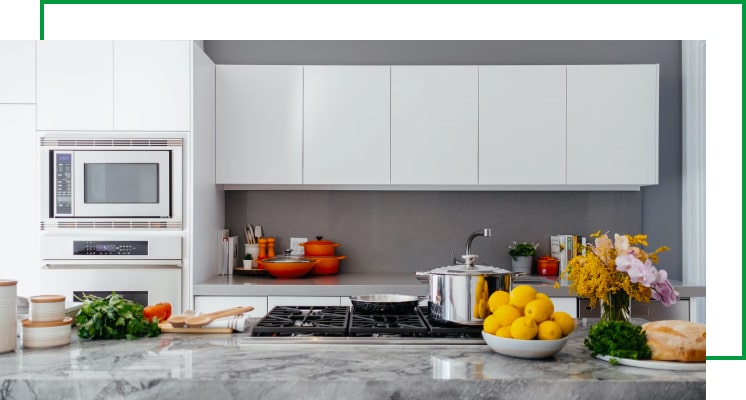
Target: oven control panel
[(110, 248)]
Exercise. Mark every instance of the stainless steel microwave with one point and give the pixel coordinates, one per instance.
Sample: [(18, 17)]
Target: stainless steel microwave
[(107, 182)]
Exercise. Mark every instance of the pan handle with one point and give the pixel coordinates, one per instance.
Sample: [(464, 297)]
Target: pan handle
[(422, 276)]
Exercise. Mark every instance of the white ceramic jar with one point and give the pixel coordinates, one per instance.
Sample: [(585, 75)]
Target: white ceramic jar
[(8, 323), (37, 335), (47, 308)]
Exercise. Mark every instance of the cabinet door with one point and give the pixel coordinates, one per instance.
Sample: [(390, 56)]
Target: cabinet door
[(74, 85), (214, 303), (612, 124), (346, 136), (21, 219), (434, 122), (17, 71), (522, 124), (151, 85), (566, 304), (259, 124)]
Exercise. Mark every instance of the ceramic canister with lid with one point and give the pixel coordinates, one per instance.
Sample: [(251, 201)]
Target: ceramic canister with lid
[(46, 308), (8, 323)]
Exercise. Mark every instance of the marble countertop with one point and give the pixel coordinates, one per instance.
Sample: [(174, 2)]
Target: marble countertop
[(355, 284), (233, 366)]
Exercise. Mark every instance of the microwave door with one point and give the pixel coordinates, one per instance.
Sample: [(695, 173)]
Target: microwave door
[(122, 184)]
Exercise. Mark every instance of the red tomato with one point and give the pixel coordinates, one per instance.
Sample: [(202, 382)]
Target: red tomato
[(162, 311)]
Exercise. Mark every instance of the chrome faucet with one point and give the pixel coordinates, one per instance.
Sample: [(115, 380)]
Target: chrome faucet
[(486, 232)]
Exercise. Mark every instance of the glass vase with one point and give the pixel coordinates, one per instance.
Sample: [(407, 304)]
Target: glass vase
[(615, 307)]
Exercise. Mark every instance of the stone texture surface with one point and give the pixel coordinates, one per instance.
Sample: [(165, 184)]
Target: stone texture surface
[(237, 366)]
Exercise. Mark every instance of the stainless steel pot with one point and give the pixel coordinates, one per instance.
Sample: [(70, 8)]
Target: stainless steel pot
[(459, 294)]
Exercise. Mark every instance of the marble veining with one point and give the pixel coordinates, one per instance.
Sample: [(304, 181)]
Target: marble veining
[(231, 366)]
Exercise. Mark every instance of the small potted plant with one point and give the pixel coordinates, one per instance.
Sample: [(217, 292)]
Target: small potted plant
[(248, 261), (522, 255)]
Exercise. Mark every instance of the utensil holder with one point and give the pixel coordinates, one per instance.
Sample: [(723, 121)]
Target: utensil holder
[(253, 249)]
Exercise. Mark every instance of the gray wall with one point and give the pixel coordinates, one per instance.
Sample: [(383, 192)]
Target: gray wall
[(386, 231)]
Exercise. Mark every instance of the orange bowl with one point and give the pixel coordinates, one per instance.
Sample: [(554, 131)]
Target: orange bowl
[(288, 269)]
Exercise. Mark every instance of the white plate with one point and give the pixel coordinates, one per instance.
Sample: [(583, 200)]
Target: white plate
[(524, 348), (653, 364)]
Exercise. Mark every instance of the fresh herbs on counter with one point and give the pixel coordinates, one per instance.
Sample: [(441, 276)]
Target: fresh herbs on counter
[(113, 317), (617, 339)]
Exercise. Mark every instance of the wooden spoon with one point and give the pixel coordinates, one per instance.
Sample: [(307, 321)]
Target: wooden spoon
[(178, 320), (205, 319)]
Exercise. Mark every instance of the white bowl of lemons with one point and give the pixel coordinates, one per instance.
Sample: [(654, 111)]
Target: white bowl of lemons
[(524, 348), (523, 324)]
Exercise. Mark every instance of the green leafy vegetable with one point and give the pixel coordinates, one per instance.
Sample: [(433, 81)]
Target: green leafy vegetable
[(113, 317), (617, 339)]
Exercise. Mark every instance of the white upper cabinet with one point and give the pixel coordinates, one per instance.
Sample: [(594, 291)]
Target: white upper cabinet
[(74, 85), (434, 124), (17, 71), (522, 125), (152, 85), (259, 124), (612, 124), (346, 138)]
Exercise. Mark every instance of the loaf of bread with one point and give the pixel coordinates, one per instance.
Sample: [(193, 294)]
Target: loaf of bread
[(675, 340)]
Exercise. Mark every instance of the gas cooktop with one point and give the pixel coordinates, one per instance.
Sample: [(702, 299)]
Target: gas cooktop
[(339, 324)]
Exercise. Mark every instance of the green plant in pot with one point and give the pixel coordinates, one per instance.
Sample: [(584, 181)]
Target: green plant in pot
[(248, 261), (522, 255)]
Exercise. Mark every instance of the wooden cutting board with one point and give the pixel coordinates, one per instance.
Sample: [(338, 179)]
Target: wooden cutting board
[(168, 328)]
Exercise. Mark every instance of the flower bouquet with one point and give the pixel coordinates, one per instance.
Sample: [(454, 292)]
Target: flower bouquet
[(614, 273)]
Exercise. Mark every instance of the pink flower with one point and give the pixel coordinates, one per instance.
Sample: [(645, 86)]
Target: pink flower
[(664, 292), (621, 244), (644, 273)]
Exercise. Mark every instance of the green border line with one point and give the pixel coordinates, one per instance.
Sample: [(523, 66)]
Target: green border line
[(742, 357)]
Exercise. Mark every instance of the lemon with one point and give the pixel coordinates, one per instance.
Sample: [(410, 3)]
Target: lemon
[(549, 330), (523, 328), (497, 299), (506, 314), (521, 295), (490, 324), (504, 331), (565, 321), (540, 295), (539, 310)]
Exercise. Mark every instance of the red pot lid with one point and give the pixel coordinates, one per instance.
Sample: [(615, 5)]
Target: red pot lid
[(318, 241)]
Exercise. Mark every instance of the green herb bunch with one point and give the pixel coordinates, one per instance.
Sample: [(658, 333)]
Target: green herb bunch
[(113, 317), (617, 339)]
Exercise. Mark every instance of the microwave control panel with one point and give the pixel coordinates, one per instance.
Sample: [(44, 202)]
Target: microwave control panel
[(110, 248), (63, 188)]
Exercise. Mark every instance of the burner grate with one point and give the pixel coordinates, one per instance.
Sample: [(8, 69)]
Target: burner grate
[(389, 324), (447, 329), (290, 320)]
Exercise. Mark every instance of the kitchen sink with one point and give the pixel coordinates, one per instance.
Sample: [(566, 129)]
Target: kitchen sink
[(532, 279)]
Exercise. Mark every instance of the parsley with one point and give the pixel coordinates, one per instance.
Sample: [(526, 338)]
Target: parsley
[(617, 339), (113, 317)]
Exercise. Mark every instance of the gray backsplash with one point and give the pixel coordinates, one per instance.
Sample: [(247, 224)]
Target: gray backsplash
[(402, 231)]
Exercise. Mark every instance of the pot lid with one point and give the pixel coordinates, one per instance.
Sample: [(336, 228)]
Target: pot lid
[(287, 258), (319, 241), (469, 270)]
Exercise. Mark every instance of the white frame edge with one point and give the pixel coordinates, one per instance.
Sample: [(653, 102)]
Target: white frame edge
[(693, 170)]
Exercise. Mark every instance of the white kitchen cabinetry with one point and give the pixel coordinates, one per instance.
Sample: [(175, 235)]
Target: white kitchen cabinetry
[(566, 304), (74, 85), (20, 233), (612, 124), (521, 125), (434, 124), (17, 71), (273, 301), (205, 304), (152, 85), (259, 125), (346, 138)]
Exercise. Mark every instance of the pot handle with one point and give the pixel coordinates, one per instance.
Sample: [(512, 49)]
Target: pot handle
[(422, 276)]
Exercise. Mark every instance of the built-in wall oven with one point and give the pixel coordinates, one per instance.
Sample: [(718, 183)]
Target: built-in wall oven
[(100, 181), (143, 267)]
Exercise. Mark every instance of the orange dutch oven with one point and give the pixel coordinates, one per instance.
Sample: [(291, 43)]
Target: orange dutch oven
[(319, 247), (326, 265)]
